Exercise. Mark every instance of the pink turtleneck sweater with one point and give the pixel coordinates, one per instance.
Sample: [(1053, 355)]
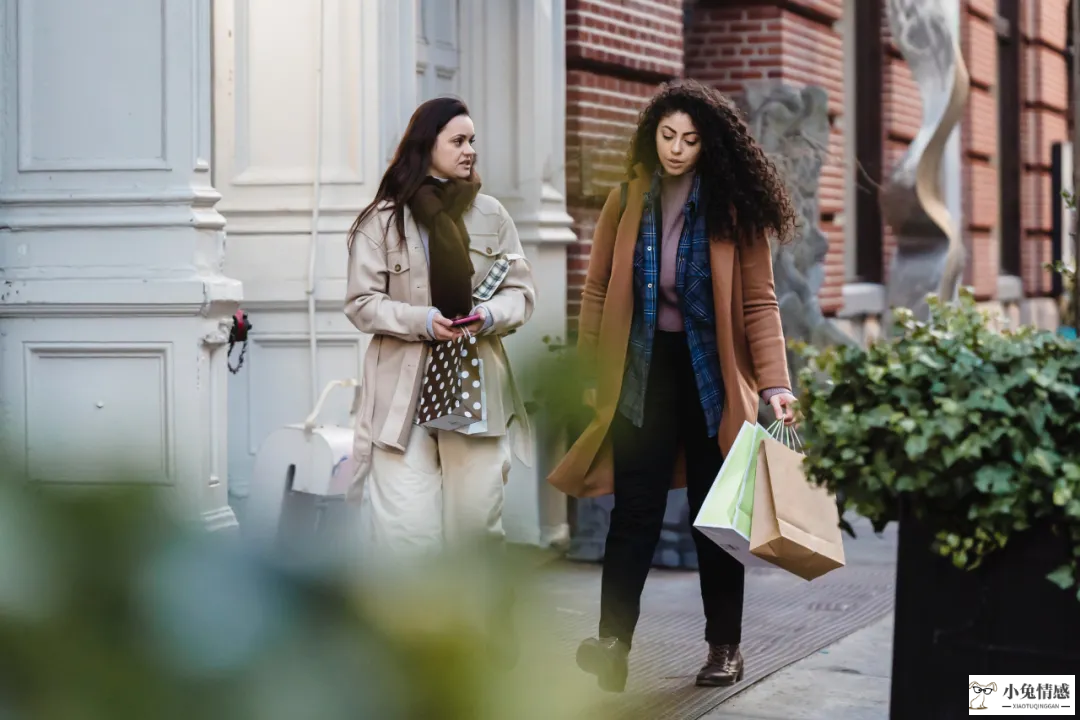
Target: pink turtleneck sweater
[(674, 192)]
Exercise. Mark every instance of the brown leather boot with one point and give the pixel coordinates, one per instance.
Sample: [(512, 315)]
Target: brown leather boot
[(607, 659), (724, 667)]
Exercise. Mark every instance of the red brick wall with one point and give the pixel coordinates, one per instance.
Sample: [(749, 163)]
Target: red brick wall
[(617, 52), (601, 113), (793, 42), (1044, 88), (645, 36), (979, 139)]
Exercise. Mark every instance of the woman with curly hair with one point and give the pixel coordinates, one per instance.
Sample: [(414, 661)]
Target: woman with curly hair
[(680, 332)]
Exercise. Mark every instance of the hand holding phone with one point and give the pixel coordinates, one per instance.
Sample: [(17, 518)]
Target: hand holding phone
[(466, 320)]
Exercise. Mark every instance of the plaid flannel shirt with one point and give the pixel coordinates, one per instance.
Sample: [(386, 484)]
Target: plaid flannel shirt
[(693, 283)]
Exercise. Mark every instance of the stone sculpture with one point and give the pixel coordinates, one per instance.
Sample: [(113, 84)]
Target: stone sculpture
[(792, 125), (929, 255)]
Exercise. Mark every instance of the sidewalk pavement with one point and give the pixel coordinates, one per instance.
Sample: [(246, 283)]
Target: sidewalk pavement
[(846, 681), (787, 620)]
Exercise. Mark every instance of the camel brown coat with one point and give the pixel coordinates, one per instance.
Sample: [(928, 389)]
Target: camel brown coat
[(749, 337)]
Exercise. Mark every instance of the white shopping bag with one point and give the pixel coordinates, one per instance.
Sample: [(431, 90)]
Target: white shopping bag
[(727, 513)]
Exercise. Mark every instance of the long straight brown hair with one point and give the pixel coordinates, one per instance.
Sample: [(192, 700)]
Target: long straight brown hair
[(411, 162)]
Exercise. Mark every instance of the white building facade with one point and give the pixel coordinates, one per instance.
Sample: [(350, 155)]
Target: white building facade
[(166, 162)]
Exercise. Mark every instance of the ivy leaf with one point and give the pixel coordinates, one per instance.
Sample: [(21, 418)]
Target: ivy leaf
[(1062, 577), (916, 446), (952, 427), (929, 362), (1037, 418), (999, 403), (949, 406), (995, 479), (1044, 460), (1062, 496)]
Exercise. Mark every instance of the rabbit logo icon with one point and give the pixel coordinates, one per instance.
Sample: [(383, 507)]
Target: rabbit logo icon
[(978, 695)]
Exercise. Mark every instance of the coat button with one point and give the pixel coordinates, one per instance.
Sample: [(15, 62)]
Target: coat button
[(489, 251), (397, 268)]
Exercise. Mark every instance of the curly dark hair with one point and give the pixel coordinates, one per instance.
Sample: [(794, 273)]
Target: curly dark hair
[(748, 194)]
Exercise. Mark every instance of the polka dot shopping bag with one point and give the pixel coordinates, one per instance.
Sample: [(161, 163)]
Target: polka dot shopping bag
[(452, 397)]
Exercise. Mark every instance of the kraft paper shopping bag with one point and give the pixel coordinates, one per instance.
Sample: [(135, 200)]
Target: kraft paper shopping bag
[(796, 525), (727, 512)]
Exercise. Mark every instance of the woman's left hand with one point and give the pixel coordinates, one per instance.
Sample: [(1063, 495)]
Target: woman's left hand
[(783, 404), (477, 326)]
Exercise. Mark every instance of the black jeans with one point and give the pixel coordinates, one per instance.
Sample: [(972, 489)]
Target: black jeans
[(644, 461)]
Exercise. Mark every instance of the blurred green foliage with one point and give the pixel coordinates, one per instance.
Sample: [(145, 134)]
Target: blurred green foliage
[(557, 380), (112, 607), (979, 428)]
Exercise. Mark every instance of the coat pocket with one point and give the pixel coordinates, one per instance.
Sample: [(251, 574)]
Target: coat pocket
[(397, 271), (483, 251)]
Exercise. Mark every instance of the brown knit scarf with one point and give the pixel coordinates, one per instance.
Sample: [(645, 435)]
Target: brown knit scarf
[(440, 206)]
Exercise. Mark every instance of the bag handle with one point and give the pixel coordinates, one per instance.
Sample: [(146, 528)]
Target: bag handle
[(785, 434), (309, 423)]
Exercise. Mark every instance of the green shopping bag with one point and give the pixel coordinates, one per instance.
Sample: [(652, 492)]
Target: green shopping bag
[(728, 510)]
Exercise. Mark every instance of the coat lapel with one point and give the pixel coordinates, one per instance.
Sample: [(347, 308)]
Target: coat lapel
[(738, 396), (415, 354), (588, 468), (418, 263), (619, 303)]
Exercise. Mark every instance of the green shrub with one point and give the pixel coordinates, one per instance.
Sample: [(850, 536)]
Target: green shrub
[(980, 429)]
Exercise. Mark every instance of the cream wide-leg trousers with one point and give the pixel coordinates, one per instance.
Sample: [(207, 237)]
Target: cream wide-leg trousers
[(445, 488)]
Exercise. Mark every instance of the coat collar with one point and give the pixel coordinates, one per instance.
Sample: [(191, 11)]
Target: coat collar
[(412, 231), (641, 182)]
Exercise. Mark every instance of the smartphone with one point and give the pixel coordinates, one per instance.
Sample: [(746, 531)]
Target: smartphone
[(466, 320)]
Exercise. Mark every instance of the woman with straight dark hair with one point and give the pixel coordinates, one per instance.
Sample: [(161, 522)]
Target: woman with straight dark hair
[(681, 329), (429, 250)]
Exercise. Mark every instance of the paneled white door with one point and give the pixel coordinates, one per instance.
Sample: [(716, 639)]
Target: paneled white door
[(438, 56)]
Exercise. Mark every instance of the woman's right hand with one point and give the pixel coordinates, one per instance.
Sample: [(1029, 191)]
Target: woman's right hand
[(442, 329)]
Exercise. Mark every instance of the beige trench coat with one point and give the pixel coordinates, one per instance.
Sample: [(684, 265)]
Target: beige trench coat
[(389, 297)]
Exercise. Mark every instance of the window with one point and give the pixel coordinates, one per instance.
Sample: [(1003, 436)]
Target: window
[(869, 140), (1010, 167)]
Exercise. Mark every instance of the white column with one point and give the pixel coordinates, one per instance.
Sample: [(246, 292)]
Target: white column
[(513, 77), (280, 142), (113, 304)]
